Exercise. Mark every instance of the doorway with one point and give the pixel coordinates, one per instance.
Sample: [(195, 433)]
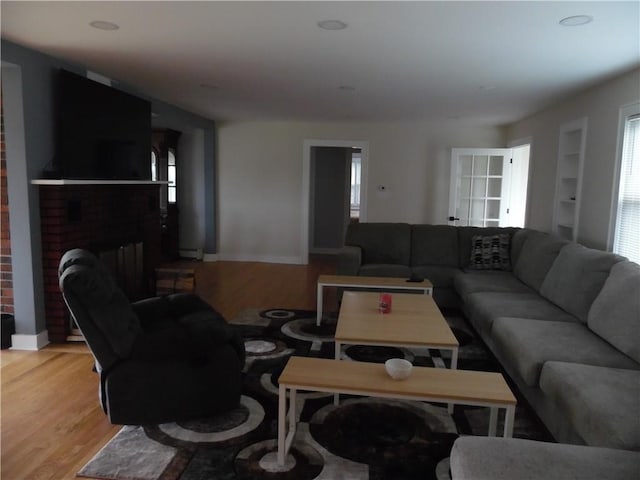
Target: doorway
[(328, 199), (488, 186)]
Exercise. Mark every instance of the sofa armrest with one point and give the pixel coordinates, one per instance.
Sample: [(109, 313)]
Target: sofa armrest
[(153, 313), (349, 260), (494, 458)]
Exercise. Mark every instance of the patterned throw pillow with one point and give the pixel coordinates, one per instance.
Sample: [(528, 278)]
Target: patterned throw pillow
[(490, 252)]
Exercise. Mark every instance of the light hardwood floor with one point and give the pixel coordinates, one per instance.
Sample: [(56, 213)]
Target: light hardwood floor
[(50, 420)]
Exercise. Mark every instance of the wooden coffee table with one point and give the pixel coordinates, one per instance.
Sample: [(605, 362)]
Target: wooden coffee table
[(378, 283), (485, 389), (414, 321)]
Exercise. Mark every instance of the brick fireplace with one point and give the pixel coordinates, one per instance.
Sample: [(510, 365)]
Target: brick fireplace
[(115, 220)]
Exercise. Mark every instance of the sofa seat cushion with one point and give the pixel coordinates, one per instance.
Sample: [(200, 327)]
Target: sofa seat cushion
[(488, 281), (482, 308), (495, 458), (615, 313), (537, 255), (576, 278), (527, 344), (440, 276), (600, 402), (385, 270), (434, 245)]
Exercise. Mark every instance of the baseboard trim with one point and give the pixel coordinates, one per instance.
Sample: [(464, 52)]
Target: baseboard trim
[(210, 257), (242, 257), (325, 251), (30, 342), (191, 253)]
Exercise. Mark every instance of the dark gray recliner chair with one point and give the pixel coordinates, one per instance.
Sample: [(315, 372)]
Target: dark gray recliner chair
[(160, 359)]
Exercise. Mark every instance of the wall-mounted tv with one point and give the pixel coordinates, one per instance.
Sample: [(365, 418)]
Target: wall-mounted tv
[(102, 133)]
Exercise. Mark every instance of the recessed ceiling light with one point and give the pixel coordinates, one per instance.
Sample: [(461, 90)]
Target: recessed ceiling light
[(104, 25), (332, 25), (576, 20)]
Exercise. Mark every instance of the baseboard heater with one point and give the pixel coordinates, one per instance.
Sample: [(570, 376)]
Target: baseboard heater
[(191, 253)]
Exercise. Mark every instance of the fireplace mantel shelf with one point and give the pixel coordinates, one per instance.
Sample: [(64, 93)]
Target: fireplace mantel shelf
[(67, 181)]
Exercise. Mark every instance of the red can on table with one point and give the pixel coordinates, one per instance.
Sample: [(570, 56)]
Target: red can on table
[(384, 305)]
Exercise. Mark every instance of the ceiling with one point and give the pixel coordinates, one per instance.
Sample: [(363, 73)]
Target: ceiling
[(485, 62)]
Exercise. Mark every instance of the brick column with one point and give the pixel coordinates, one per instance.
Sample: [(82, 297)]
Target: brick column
[(6, 272)]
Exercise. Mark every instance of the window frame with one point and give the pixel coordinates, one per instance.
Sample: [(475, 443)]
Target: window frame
[(172, 190), (625, 113), (355, 184)]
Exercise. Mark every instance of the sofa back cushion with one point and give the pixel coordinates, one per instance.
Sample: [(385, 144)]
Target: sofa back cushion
[(381, 242), (615, 313), (576, 278), (491, 252), (434, 245), (517, 242), (465, 240), (537, 254)]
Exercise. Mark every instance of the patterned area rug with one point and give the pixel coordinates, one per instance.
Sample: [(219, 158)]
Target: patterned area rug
[(361, 439)]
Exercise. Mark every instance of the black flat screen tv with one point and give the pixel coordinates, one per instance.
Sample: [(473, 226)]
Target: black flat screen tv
[(102, 133)]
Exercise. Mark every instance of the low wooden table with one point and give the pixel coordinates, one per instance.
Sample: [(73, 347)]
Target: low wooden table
[(378, 283), (485, 389), (414, 321)]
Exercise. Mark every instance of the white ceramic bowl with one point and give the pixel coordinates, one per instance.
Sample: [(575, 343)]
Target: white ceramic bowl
[(398, 368)]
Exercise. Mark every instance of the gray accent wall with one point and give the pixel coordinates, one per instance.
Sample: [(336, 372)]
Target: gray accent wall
[(24, 225), (330, 170), (29, 114)]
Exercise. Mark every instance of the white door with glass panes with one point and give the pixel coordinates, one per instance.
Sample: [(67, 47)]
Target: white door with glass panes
[(480, 187)]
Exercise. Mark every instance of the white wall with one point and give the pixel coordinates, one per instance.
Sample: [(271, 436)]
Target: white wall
[(600, 105), (260, 178)]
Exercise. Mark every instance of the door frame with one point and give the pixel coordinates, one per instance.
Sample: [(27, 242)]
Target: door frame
[(307, 145), (521, 142), (453, 175)]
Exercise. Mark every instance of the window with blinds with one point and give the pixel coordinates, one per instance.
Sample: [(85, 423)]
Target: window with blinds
[(626, 240)]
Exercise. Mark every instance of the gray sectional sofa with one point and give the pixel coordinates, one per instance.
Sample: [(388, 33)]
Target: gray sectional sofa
[(494, 458), (563, 319), (436, 252)]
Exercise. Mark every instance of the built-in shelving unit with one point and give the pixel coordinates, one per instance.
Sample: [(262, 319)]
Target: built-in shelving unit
[(571, 151)]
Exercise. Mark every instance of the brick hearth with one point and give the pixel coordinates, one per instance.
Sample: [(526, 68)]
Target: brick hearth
[(98, 218)]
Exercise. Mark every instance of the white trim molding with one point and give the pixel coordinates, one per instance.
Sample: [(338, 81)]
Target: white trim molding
[(67, 181), (191, 253), (325, 251), (30, 342), (624, 112), (306, 185), (210, 257), (249, 257)]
